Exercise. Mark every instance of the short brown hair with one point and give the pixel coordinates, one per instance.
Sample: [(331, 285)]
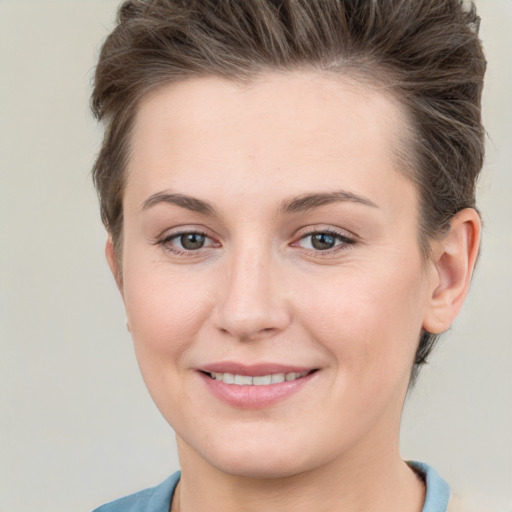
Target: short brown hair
[(426, 51)]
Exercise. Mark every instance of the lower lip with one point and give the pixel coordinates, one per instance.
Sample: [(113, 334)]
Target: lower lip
[(255, 397)]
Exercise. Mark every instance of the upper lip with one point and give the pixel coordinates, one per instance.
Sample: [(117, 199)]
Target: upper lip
[(254, 370)]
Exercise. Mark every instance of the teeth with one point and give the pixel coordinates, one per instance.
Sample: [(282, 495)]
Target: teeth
[(243, 380), (262, 380), (228, 378), (278, 378)]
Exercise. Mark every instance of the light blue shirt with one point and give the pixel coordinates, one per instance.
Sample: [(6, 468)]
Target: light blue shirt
[(158, 499)]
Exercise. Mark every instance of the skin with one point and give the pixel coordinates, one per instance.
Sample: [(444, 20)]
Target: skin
[(259, 291)]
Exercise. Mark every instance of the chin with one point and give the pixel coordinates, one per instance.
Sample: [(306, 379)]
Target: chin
[(245, 456), (259, 466), (263, 458)]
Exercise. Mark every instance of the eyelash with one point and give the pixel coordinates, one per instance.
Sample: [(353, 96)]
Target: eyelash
[(166, 241), (345, 242)]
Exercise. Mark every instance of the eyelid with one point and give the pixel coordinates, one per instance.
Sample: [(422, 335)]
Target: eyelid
[(183, 229), (322, 228), (165, 238), (347, 239)]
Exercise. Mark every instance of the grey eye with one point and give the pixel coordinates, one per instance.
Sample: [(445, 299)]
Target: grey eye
[(322, 241), (192, 241)]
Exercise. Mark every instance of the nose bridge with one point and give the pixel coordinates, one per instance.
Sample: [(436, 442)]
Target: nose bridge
[(251, 305)]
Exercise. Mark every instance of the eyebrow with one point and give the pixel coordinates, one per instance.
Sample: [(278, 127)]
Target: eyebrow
[(301, 203), (307, 202), (188, 202)]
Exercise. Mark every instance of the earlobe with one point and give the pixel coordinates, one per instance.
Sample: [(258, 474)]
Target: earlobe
[(454, 260), (113, 263)]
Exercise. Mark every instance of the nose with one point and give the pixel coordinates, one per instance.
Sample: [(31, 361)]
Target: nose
[(252, 302)]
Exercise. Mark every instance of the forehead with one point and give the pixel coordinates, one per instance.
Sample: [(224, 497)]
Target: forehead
[(300, 125)]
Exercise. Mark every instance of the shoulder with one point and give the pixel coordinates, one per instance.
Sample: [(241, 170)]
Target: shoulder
[(438, 491), (438, 498), (154, 499)]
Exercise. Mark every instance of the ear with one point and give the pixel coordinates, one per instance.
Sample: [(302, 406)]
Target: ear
[(113, 263), (454, 260)]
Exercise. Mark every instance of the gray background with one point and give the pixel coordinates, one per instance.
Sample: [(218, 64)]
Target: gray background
[(77, 427)]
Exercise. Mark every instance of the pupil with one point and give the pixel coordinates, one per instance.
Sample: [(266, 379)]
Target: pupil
[(322, 241), (192, 241)]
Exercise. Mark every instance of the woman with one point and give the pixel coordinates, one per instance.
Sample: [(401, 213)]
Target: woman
[(288, 188)]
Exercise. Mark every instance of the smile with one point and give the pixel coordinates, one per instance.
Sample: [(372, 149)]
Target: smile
[(255, 386), (260, 380)]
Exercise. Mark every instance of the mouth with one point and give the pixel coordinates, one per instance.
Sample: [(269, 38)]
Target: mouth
[(257, 380), (255, 386)]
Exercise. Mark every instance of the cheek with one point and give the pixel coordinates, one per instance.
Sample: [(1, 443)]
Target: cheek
[(165, 309), (369, 320)]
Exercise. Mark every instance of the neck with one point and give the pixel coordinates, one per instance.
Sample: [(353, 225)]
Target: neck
[(378, 482)]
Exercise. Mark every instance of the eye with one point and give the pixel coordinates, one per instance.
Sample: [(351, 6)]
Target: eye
[(186, 242), (324, 241), (191, 241)]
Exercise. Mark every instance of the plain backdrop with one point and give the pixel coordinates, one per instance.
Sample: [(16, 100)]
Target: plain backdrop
[(77, 427)]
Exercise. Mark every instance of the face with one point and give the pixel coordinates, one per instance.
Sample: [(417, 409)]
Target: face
[(271, 270)]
